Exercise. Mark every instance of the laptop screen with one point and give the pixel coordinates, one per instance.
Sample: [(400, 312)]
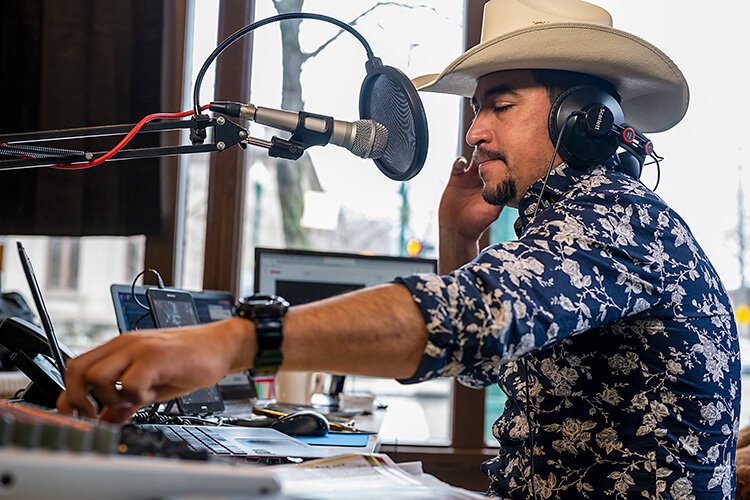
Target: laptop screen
[(212, 305)]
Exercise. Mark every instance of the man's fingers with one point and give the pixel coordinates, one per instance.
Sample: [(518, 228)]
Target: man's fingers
[(77, 378), (75, 397), (102, 380), (138, 385), (64, 404), (118, 414), (460, 165)]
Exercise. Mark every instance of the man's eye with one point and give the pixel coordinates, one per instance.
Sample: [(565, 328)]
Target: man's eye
[(500, 109)]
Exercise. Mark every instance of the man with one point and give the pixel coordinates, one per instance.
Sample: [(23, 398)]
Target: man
[(604, 323)]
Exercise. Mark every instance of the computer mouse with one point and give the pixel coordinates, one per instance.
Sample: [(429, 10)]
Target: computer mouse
[(302, 423)]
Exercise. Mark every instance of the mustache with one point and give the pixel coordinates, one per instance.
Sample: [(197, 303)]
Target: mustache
[(482, 155)]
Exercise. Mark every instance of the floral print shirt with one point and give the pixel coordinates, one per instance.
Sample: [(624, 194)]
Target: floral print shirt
[(612, 336)]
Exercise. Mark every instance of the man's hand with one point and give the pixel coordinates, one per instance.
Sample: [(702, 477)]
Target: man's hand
[(463, 212), (136, 369), (463, 216)]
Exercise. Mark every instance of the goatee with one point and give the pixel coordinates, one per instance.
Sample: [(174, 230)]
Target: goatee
[(504, 192), (501, 194)]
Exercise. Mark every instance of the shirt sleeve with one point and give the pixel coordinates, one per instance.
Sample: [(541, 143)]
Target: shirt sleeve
[(589, 263)]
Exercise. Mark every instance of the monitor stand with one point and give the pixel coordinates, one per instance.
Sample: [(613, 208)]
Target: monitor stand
[(330, 399)]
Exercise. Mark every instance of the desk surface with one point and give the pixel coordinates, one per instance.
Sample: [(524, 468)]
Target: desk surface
[(34, 472), (371, 423)]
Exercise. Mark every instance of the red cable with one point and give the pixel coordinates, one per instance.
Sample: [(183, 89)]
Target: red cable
[(124, 142)]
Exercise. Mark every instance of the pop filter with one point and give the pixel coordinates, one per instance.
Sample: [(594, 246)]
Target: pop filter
[(388, 97)]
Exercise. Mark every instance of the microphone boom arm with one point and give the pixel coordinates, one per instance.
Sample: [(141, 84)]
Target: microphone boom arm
[(225, 134)]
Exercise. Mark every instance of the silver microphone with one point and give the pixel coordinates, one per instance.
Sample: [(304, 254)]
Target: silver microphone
[(364, 138)]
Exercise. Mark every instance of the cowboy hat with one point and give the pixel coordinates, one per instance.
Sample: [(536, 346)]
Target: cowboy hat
[(570, 35)]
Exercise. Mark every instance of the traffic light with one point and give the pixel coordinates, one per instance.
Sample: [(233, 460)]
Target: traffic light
[(413, 247)]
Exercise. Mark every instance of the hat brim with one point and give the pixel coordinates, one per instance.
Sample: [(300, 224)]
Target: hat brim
[(654, 91)]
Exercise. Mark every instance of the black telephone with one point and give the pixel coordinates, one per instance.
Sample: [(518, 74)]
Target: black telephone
[(30, 353)]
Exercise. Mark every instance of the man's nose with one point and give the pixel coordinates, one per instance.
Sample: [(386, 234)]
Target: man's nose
[(479, 132)]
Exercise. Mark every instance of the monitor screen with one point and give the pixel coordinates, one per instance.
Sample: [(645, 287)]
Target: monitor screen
[(302, 276), (211, 306)]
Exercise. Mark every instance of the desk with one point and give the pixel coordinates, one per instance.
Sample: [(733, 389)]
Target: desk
[(43, 473), (371, 423)]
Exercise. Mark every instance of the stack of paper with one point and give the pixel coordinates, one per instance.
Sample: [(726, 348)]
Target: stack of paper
[(366, 476)]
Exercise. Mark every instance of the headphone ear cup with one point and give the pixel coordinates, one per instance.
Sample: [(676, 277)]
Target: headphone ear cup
[(587, 139), (554, 112), (629, 164)]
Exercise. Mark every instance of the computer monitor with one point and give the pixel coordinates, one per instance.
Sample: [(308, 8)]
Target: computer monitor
[(302, 276), (212, 305)]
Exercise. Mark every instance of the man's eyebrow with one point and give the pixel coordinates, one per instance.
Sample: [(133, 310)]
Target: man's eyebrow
[(494, 91)]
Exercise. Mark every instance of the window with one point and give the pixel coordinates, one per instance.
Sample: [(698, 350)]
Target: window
[(63, 264), (709, 202), (194, 169), (75, 275), (334, 201), (704, 187)]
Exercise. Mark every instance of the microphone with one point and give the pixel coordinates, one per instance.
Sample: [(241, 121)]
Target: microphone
[(364, 138)]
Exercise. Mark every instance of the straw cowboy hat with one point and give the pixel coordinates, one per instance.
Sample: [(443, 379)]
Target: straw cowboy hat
[(570, 35)]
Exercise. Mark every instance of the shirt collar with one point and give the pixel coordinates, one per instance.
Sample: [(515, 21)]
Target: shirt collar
[(561, 179)]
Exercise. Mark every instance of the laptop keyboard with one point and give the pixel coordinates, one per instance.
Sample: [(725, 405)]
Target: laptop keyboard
[(200, 438)]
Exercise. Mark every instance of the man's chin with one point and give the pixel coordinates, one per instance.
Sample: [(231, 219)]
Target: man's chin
[(500, 195)]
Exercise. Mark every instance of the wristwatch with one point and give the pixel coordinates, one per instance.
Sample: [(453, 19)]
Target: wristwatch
[(267, 312)]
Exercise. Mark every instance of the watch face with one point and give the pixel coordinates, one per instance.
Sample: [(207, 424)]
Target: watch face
[(262, 306)]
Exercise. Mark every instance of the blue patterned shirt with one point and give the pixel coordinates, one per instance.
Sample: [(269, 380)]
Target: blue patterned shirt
[(608, 315)]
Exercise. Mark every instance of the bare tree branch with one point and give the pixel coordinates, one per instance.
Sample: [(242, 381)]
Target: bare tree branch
[(353, 22)]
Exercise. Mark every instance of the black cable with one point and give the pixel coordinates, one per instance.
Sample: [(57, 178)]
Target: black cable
[(250, 27), (159, 281), (657, 158), (554, 155), (531, 429), (525, 366), (143, 316)]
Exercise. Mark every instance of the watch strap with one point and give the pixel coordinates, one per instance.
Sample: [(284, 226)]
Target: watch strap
[(268, 336), (267, 312)]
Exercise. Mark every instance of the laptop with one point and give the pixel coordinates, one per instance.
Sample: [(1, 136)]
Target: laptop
[(212, 305), (247, 442)]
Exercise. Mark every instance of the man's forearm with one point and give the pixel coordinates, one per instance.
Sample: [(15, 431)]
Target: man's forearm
[(454, 251), (377, 332)]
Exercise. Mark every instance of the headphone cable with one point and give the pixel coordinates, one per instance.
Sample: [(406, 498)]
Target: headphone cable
[(572, 115), (525, 365), (531, 429)]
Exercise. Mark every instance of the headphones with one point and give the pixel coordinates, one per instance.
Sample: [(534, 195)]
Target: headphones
[(593, 127)]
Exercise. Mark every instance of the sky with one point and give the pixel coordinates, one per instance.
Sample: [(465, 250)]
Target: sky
[(699, 176)]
